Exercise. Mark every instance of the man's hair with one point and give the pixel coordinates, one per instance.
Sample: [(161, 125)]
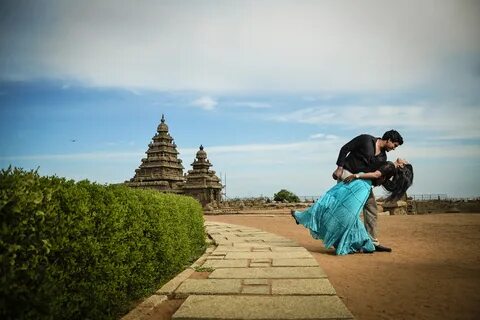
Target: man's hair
[(393, 136)]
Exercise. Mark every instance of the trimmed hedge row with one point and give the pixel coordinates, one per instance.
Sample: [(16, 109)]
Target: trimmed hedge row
[(80, 250)]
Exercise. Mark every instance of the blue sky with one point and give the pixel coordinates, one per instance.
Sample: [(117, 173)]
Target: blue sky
[(272, 89)]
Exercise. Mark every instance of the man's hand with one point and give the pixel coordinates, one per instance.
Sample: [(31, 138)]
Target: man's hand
[(337, 174), (350, 178)]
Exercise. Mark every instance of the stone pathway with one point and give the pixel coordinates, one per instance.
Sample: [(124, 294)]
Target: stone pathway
[(256, 275), (253, 275)]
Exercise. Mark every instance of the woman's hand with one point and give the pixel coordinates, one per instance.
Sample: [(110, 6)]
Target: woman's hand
[(350, 178)]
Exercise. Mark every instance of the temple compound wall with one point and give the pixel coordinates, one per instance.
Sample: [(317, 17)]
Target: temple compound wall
[(162, 170)]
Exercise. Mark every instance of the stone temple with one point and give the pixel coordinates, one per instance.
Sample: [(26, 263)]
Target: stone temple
[(202, 183), (162, 170)]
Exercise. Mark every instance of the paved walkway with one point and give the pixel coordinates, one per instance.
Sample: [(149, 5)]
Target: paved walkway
[(254, 275)]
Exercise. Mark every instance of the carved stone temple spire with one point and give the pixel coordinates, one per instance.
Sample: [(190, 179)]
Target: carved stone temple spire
[(161, 169), (202, 183)]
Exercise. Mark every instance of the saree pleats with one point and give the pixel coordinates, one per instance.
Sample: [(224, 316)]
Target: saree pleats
[(335, 218)]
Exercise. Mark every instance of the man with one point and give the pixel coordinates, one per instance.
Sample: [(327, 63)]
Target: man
[(366, 153)]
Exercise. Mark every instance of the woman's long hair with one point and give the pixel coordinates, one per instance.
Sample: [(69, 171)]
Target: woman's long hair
[(397, 186)]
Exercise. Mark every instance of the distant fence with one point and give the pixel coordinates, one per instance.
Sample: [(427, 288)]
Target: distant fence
[(436, 196)]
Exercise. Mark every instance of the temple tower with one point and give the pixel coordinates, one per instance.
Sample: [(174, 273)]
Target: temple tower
[(202, 183), (161, 169)]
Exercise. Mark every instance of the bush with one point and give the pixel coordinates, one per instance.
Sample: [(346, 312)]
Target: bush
[(285, 196), (85, 251)]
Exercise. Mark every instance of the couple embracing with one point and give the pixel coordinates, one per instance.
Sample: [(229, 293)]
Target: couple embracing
[(361, 164)]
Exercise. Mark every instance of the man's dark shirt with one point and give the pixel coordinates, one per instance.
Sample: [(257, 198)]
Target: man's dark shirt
[(358, 155)]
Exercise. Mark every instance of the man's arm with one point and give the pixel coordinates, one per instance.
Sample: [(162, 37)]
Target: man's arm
[(344, 151)]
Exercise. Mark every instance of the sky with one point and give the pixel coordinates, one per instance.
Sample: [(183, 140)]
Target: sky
[(271, 89)]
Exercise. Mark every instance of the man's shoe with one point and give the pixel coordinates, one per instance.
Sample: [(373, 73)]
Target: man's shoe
[(381, 248), (292, 213)]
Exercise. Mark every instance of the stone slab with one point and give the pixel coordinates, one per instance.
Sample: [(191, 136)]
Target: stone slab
[(262, 308), (208, 286), (259, 264), (302, 287), (289, 249), (260, 260), (268, 255), (145, 308), (251, 245), (212, 263), (268, 273), (283, 244), (256, 290), (261, 250), (173, 284), (224, 242), (215, 258), (231, 249), (293, 262), (255, 282)]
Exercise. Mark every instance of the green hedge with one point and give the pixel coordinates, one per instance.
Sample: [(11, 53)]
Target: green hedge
[(85, 251)]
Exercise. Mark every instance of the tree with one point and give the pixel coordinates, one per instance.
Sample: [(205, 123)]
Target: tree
[(285, 195)]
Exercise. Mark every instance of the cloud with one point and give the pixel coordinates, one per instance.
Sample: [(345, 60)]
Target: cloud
[(324, 136), (243, 45), (442, 121), (76, 156), (253, 105), (205, 102)]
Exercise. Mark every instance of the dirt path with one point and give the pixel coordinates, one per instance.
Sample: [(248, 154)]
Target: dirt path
[(432, 273)]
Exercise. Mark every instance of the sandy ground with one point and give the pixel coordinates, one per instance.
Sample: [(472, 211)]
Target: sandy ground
[(432, 273)]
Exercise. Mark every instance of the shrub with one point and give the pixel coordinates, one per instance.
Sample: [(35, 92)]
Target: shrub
[(285, 195), (84, 251)]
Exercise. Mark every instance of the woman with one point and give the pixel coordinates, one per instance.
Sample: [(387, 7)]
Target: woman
[(335, 217)]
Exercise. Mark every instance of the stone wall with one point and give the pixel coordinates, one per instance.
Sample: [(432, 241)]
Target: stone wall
[(408, 207), (254, 205), (442, 206)]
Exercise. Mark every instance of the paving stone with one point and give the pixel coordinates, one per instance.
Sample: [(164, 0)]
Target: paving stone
[(255, 282), (251, 245), (262, 260), (224, 242), (232, 249), (302, 287), (208, 286), (289, 249), (210, 249), (258, 264), (293, 262), (283, 244), (212, 263), (215, 258), (144, 309), (173, 284), (267, 255), (262, 307), (268, 273), (153, 301), (256, 290)]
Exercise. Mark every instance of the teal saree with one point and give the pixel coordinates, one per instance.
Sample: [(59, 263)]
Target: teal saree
[(335, 218)]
